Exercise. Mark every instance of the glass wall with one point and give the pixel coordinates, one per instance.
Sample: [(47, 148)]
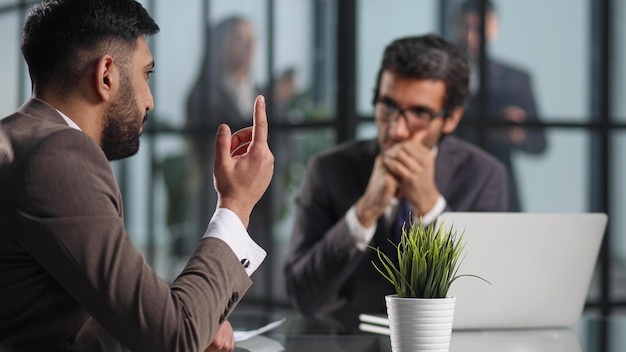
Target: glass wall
[(289, 51), (618, 144), (378, 23), (10, 61)]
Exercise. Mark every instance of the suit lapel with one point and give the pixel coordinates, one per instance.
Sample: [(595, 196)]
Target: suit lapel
[(366, 165), (444, 164)]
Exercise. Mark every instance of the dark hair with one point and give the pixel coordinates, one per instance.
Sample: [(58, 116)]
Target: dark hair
[(62, 38), (428, 57), (474, 6)]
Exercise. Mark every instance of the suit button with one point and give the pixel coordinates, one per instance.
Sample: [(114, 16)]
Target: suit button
[(233, 299)]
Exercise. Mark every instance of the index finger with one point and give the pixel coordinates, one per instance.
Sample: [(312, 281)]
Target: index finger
[(260, 126), (418, 137)]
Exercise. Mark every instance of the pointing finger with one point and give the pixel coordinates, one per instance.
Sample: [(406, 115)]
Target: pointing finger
[(259, 133)]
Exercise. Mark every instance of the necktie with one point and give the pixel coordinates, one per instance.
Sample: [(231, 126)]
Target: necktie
[(402, 220)]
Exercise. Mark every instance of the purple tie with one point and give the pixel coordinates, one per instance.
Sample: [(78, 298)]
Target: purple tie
[(402, 219)]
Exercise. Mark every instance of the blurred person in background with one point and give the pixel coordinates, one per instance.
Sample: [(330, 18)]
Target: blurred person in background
[(509, 96), (221, 93)]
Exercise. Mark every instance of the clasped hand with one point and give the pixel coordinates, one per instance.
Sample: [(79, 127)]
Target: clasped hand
[(406, 169)]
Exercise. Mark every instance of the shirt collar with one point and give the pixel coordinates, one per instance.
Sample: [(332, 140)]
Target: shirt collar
[(69, 121)]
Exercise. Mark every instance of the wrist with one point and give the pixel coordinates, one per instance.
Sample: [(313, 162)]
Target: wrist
[(428, 203), (367, 215), (242, 212)]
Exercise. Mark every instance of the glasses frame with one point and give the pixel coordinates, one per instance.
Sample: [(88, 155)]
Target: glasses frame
[(397, 111)]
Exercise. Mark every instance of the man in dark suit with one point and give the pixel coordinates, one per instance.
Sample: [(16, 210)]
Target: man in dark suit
[(509, 97), (352, 193), (70, 277)]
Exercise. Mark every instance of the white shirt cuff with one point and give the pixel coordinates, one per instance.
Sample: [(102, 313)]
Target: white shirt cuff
[(226, 226), (437, 209), (362, 236)]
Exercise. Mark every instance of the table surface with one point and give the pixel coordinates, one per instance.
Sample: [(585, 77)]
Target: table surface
[(298, 333)]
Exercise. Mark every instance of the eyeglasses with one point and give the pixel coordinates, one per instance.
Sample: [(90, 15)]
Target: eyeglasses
[(416, 118)]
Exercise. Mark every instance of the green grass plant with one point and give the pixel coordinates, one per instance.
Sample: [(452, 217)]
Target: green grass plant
[(428, 261)]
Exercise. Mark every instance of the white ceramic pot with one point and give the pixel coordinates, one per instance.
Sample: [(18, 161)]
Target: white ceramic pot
[(420, 324)]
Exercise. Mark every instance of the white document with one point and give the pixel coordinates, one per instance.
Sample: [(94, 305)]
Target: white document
[(245, 335)]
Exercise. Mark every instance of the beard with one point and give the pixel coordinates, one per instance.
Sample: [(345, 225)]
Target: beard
[(122, 124)]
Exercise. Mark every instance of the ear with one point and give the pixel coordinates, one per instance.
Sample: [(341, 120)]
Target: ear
[(105, 77), (492, 26), (451, 122)]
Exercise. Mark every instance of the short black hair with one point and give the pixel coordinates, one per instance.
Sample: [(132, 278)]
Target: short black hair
[(428, 57), (62, 38)]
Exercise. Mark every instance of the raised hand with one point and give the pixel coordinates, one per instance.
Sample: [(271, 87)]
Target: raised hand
[(244, 164)]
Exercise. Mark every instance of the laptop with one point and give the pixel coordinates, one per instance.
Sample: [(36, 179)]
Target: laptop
[(539, 267)]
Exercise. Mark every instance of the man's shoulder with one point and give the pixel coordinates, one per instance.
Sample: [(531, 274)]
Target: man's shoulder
[(505, 68), (30, 133), (23, 128), (351, 147), (465, 150), (349, 150)]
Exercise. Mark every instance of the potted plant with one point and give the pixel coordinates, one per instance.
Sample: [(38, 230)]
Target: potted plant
[(420, 313)]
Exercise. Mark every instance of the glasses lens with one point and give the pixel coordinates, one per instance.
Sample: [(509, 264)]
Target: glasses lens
[(416, 119), (385, 112)]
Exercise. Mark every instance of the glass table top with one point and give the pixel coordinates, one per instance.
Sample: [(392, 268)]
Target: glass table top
[(302, 334)]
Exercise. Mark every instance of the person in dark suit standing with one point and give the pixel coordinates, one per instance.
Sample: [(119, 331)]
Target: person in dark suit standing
[(70, 277), (509, 96), (354, 194)]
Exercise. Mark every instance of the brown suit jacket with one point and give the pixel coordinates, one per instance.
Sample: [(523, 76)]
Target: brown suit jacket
[(70, 278), (325, 272)]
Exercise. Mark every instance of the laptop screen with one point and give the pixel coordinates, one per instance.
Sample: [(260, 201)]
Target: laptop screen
[(539, 267)]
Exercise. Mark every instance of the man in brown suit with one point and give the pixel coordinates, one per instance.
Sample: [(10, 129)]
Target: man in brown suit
[(70, 278)]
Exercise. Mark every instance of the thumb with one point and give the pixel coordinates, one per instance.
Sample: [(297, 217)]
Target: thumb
[(222, 144)]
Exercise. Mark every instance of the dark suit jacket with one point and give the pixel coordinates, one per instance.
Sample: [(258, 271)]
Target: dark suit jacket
[(506, 86), (325, 272), (70, 278)]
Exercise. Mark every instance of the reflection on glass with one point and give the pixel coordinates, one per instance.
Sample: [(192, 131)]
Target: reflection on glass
[(516, 340), (618, 223), (10, 59), (618, 51), (223, 92)]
